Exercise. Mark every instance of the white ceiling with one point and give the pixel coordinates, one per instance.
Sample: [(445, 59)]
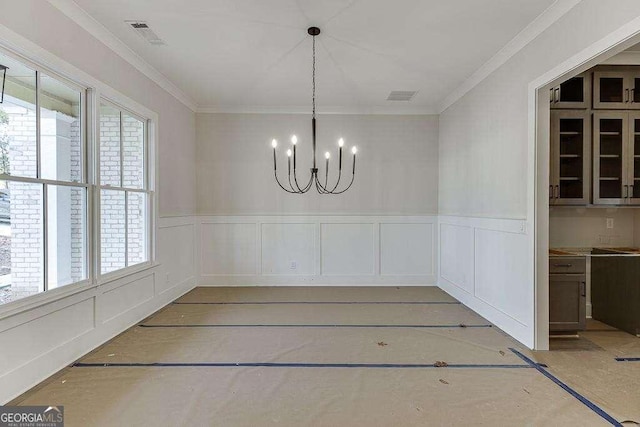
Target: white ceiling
[(255, 55)]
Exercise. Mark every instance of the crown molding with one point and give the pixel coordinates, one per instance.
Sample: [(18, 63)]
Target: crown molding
[(267, 109), (100, 32), (553, 13)]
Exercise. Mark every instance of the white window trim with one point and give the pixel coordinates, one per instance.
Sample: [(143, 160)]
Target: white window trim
[(24, 50), (146, 189)]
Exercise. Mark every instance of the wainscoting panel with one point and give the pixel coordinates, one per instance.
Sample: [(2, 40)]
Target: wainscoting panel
[(406, 249), (487, 264), (321, 250), (126, 297), (288, 249), (228, 248), (51, 330), (348, 249), (456, 256), (47, 335)]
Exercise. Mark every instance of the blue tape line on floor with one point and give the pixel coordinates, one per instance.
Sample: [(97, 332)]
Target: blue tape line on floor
[(313, 326), (300, 365), (568, 389), (322, 303), (627, 359)]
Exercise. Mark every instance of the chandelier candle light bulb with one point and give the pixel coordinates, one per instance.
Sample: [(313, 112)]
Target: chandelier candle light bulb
[(294, 187)]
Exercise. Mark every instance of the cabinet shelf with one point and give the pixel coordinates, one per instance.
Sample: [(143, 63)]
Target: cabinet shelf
[(609, 178), (570, 133), (571, 156), (610, 133), (609, 156), (570, 178)]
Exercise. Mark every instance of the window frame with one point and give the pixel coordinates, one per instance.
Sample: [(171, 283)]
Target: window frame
[(93, 90), (146, 189), (46, 183)]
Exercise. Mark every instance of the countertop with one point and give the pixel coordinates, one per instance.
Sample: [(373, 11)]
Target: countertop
[(573, 252)]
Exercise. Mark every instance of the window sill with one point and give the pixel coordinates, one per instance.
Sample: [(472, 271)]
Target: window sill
[(43, 298), (126, 272)]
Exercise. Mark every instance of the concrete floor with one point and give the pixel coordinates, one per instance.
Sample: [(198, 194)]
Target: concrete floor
[(339, 356)]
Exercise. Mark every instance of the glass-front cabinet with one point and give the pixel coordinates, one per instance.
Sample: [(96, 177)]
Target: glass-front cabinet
[(634, 158), (616, 165), (617, 89), (570, 158), (573, 93)]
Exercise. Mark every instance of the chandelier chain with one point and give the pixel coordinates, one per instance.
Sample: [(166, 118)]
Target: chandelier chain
[(314, 76)]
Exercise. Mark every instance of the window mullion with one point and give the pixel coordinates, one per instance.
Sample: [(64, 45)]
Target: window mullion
[(45, 232), (121, 150), (126, 228), (38, 129)]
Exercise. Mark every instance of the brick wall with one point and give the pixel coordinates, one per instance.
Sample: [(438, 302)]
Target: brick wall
[(112, 239), (27, 240), (67, 251)]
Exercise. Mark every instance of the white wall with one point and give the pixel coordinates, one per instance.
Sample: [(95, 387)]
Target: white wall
[(586, 228), (382, 231), (484, 164), (396, 170), (37, 339)]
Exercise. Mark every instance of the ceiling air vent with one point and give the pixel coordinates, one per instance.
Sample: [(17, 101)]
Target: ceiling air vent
[(145, 32), (401, 95)]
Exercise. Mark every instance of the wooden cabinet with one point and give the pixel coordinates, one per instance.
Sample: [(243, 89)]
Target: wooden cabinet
[(573, 93), (570, 165), (616, 158), (617, 88), (567, 294), (615, 291)]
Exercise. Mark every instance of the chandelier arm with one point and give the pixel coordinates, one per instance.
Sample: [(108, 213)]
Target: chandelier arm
[(281, 186), (353, 177), (308, 186), (293, 188), (337, 182), (295, 180), (321, 188)]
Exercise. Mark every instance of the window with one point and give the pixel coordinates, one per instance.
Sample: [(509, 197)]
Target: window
[(124, 193), (43, 186), (65, 220)]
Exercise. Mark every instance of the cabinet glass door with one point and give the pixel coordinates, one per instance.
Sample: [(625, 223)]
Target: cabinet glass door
[(571, 171), (573, 93), (609, 150), (609, 90), (635, 92), (634, 159)]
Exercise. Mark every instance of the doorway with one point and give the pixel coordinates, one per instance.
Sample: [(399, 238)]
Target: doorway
[(571, 188)]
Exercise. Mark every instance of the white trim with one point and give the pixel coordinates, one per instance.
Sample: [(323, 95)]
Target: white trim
[(554, 12), (392, 109), (100, 32), (624, 58)]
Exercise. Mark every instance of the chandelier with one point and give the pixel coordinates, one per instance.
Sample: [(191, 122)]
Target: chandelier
[(322, 187)]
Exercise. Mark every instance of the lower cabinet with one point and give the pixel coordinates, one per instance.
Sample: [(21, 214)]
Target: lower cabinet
[(615, 291), (567, 294)]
